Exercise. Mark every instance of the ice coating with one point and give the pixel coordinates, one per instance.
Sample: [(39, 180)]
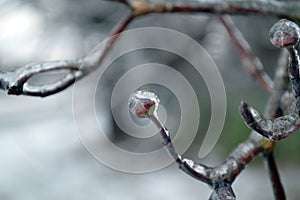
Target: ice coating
[(143, 103), (284, 33)]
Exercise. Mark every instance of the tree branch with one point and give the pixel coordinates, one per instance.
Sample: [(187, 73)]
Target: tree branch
[(17, 85), (252, 63), (274, 176), (145, 103), (274, 109), (220, 177), (274, 130), (289, 9), (284, 34), (16, 82)]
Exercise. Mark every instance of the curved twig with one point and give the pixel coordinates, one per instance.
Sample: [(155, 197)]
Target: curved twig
[(16, 82), (276, 129), (283, 34), (18, 85)]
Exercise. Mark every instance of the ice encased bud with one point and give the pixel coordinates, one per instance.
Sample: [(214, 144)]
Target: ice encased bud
[(284, 33), (143, 103)]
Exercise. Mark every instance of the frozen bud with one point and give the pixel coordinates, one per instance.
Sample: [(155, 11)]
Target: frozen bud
[(284, 33), (143, 103)]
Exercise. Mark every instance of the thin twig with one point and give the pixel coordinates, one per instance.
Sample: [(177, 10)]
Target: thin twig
[(89, 65), (274, 176), (276, 129), (252, 63)]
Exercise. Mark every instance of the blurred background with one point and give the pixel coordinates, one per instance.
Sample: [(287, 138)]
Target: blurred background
[(41, 154)]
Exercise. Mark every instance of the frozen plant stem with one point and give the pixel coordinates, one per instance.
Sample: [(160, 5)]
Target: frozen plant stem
[(220, 178), (275, 128), (274, 109), (233, 7), (274, 176), (294, 74), (283, 34), (252, 63), (15, 83), (286, 34)]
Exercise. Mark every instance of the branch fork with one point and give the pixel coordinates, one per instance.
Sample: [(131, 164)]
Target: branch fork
[(145, 103), (274, 127)]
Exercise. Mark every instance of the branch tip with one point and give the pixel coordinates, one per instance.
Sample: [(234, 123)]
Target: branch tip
[(284, 34)]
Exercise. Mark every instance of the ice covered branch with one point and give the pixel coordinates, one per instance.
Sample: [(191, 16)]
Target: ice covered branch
[(145, 103), (276, 129), (16, 82), (284, 34), (288, 9)]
